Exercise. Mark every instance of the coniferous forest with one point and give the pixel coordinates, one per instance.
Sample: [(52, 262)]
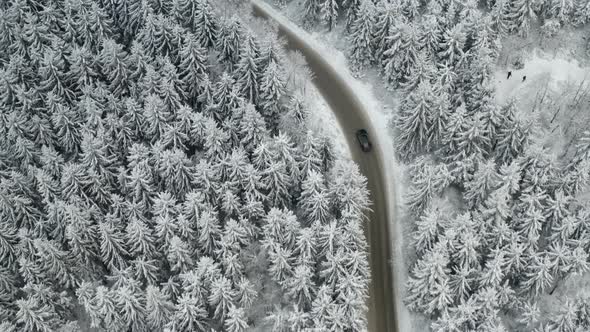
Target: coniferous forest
[(499, 219), (158, 173)]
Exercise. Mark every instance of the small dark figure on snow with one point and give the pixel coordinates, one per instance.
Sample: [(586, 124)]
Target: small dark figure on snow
[(524, 78), (509, 74)]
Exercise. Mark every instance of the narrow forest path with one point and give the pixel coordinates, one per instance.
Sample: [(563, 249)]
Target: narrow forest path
[(351, 115)]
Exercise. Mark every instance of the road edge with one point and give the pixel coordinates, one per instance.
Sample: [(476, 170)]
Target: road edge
[(395, 228)]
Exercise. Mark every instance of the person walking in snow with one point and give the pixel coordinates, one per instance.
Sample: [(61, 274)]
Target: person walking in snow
[(509, 74), (524, 78)]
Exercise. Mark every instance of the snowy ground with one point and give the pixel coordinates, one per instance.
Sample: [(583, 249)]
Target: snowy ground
[(543, 68)]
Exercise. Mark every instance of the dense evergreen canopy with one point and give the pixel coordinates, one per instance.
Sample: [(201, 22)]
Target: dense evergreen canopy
[(151, 178)]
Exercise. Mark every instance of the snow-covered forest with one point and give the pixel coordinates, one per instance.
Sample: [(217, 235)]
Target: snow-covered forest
[(500, 216), (158, 173)]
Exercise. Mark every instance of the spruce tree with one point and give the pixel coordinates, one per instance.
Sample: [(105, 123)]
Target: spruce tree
[(193, 65), (386, 16), (415, 121), (362, 27), (247, 73), (158, 307), (329, 12), (236, 320), (206, 24), (312, 9), (272, 89), (521, 14)]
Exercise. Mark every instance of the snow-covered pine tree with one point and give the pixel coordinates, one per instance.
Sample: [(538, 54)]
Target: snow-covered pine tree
[(428, 180), (410, 8), (83, 70), (8, 243), (403, 46), (179, 255), (236, 320), (428, 285), (222, 297), (51, 258), (521, 15), (414, 122), (386, 16), (429, 229), (112, 246), (430, 35), (131, 302), (252, 128), (348, 193), (538, 276), (311, 9), (82, 236), (422, 71), (452, 44), (209, 231), (114, 67), (158, 307), (362, 27), (329, 12), (190, 315), (68, 134), (485, 179), (513, 136), (206, 23), (581, 13), (466, 144), (561, 10), (352, 8), (228, 41), (193, 65), (314, 199), (499, 16), (35, 316), (272, 89), (247, 72)]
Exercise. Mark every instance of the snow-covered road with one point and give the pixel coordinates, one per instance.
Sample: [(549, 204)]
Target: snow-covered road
[(352, 115)]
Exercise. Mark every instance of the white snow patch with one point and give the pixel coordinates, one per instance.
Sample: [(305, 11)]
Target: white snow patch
[(555, 95), (539, 67)]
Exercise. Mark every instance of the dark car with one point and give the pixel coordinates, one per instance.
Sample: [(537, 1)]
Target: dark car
[(363, 138)]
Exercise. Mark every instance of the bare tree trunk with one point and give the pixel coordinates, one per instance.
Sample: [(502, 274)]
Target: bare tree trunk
[(569, 144), (576, 102), (555, 114)]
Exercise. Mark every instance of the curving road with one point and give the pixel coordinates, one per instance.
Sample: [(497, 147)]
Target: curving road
[(352, 116)]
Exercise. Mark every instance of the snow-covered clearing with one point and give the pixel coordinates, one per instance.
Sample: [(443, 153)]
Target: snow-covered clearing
[(555, 94), (540, 68)]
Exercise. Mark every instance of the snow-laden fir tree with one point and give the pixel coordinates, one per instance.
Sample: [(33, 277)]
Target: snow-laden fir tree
[(415, 121), (362, 27), (329, 12)]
